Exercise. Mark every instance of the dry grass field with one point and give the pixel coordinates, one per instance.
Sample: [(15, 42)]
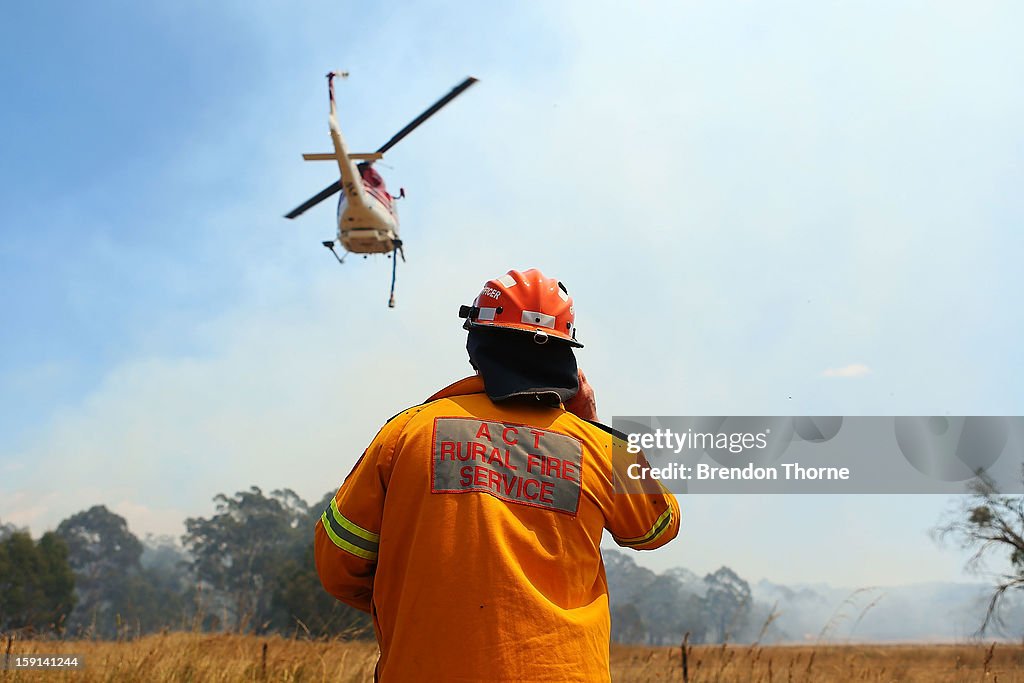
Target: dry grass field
[(201, 657), (988, 663)]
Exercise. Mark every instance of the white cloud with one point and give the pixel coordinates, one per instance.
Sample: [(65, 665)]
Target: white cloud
[(852, 370)]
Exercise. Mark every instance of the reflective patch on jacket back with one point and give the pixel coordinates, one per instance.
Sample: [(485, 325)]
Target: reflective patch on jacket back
[(513, 462)]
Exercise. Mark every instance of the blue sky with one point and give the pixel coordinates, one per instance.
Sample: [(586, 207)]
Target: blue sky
[(740, 197)]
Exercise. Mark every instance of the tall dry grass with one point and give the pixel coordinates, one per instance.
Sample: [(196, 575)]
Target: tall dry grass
[(204, 657), (972, 663)]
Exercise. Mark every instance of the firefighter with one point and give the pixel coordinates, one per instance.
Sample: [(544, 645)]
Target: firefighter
[(470, 529)]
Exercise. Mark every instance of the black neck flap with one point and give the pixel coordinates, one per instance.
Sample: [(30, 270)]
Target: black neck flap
[(515, 367)]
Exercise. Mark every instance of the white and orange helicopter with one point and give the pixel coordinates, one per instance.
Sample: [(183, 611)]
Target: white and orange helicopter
[(367, 216)]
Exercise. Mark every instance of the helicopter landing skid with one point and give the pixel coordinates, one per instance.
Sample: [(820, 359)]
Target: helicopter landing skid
[(396, 252), (330, 245)]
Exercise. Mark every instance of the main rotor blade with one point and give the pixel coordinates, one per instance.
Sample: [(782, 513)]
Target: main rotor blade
[(314, 200), (456, 91)]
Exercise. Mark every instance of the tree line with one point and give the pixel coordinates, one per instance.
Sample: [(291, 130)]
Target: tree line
[(249, 568), (658, 609)]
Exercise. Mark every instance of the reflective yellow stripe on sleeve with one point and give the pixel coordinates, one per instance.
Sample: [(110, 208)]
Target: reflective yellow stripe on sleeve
[(349, 536), (353, 527), (660, 525)]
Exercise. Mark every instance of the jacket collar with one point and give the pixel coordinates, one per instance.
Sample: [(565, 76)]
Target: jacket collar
[(473, 384)]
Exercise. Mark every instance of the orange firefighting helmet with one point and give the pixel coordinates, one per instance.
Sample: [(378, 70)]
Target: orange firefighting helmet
[(524, 302)]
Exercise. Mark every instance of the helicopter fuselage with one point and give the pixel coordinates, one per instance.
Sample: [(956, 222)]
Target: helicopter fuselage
[(367, 219)]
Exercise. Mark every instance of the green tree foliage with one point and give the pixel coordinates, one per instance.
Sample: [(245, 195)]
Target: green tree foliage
[(628, 624), (36, 583), (301, 605), (644, 605), (7, 529), (669, 610), (727, 603), (658, 609), (991, 524), (101, 546), (238, 553), (254, 558), (116, 595), (166, 563)]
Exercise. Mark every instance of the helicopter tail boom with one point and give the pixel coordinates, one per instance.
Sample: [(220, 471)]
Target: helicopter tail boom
[(351, 184)]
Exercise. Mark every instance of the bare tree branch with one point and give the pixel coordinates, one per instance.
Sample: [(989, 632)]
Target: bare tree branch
[(991, 525)]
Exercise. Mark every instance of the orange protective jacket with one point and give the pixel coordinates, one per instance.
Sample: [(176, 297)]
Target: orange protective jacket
[(471, 533)]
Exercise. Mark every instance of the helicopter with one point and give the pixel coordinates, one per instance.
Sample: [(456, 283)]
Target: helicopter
[(367, 216)]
